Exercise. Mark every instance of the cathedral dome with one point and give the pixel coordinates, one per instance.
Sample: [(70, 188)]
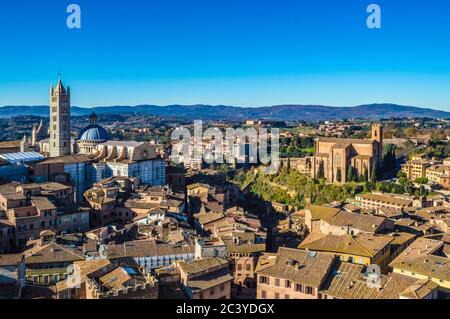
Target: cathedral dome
[(93, 132)]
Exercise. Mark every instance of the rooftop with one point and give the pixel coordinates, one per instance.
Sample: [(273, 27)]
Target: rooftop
[(298, 266), (366, 245)]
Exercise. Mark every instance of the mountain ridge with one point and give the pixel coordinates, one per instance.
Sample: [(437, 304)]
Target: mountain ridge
[(280, 112)]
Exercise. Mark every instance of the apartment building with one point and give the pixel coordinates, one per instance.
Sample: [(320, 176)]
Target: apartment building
[(292, 274), (205, 278), (378, 200), (364, 249), (151, 255), (328, 220)]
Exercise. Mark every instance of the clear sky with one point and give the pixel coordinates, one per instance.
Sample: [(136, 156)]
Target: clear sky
[(234, 52)]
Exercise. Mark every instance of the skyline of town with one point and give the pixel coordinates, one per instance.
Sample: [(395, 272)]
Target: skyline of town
[(191, 206)]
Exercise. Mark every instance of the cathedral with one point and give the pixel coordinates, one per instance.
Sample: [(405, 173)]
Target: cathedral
[(92, 156), (91, 136), (336, 156)]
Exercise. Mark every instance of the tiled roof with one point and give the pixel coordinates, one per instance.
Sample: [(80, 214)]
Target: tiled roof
[(209, 280), (348, 281), (361, 245), (202, 265), (52, 253), (298, 266), (387, 199), (430, 266), (420, 290), (11, 259), (420, 247), (146, 248), (323, 212), (367, 223)]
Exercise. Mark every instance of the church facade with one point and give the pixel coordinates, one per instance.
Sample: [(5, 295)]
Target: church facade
[(335, 157)]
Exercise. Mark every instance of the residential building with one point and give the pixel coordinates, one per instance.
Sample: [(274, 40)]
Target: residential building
[(328, 220), (364, 249), (292, 274), (102, 279), (205, 278), (48, 263), (151, 255), (354, 281)]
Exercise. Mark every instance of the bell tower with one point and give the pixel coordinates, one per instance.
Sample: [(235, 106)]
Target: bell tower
[(60, 139), (377, 136)]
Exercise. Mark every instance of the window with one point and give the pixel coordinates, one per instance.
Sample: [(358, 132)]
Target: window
[(288, 284), (263, 280), (298, 288), (263, 294), (287, 297), (309, 291), (222, 287), (277, 282), (248, 267), (276, 296), (211, 292)]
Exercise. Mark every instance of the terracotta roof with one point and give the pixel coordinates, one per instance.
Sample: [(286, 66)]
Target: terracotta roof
[(85, 268), (209, 280), (367, 223), (207, 218), (322, 212), (362, 245), (245, 248), (201, 265), (298, 266), (430, 266), (121, 278), (344, 141), (69, 159), (42, 203), (420, 247), (348, 281), (11, 259), (420, 290), (147, 248), (387, 199), (51, 253)]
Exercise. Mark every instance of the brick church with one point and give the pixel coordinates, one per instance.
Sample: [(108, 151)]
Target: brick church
[(334, 156)]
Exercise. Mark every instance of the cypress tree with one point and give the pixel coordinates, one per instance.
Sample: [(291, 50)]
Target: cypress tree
[(321, 170), (339, 175), (350, 174)]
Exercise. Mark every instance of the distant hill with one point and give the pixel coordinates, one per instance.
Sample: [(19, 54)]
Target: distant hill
[(277, 112)]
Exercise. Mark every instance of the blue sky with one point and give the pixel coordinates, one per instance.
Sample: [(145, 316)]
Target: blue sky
[(234, 52)]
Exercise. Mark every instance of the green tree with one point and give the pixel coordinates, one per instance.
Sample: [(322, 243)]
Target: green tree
[(339, 175), (373, 175), (421, 180), (321, 170), (366, 175), (351, 174)]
